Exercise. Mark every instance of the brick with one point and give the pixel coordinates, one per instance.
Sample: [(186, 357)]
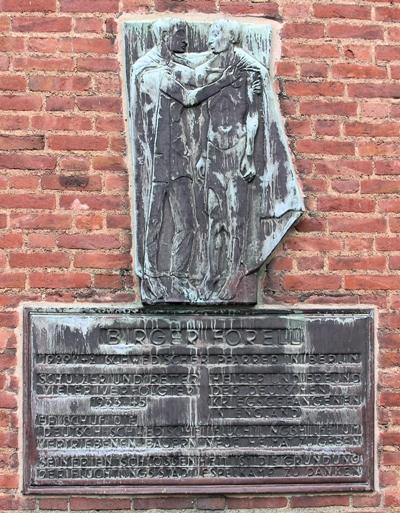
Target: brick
[(383, 186), (388, 244), (345, 186), (23, 102), (27, 5), (13, 142), (89, 242), (325, 147), (53, 503), (286, 69), (312, 282), (357, 225), (388, 478), (41, 221), (394, 224), (11, 44), (8, 122), (313, 244), (24, 182), (21, 161), (74, 164), (41, 24), (387, 53), (365, 501), (17, 503), (313, 263), (41, 240), (12, 83), (109, 163), (342, 11), (96, 64), (346, 30), (358, 71), (359, 52), (43, 64), (110, 124), (99, 202), (94, 45), (88, 6), (186, 502), (59, 104), (379, 149), (319, 501), (314, 70), (100, 103), (10, 240), (327, 127), (102, 261), (391, 499), (359, 263), (303, 30), (371, 129), (118, 221), (328, 203), (54, 83), (315, 89), (39, 260), (8, 320), (374, 90), (12, 280), (374, 109), (344, 168), (251, 502), (324, 51), (49, 122), (9, 481), (99, 503), (89, 222), (269, 9), (321, 107), (50, 45), (107, 281), (76, 142), (53, 280), (389, 14), (372, 282), (71, 182), (4, 62), (34, 201), (89, 25)]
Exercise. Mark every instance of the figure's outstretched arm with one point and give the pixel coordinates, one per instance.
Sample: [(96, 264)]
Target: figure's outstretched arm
[(189, 98)]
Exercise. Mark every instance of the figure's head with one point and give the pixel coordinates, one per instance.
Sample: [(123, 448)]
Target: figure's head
[(172, 33), (223, 35)]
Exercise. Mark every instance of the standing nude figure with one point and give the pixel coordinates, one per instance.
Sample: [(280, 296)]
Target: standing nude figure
[(227, 164)]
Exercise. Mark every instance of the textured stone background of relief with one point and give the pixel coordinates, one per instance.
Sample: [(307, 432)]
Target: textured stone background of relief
[(201, 236)]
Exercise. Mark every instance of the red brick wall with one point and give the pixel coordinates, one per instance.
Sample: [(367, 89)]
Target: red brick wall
[(64, 205)]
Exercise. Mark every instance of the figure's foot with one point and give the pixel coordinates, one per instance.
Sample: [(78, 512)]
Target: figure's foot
[(230, 287), (153, 288), (184, 288), (206, 288)]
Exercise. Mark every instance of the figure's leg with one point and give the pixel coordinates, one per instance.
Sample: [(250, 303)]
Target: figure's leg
[(181, 201), (237, 202), (151, 275)]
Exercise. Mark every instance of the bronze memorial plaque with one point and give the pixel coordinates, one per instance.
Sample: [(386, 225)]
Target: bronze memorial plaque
[(130, 400)]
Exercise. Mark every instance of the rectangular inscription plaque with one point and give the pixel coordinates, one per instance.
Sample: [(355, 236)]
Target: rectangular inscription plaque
[(158, 401)]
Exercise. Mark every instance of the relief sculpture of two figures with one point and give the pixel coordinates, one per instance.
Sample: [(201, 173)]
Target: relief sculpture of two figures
[(215, 188)]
